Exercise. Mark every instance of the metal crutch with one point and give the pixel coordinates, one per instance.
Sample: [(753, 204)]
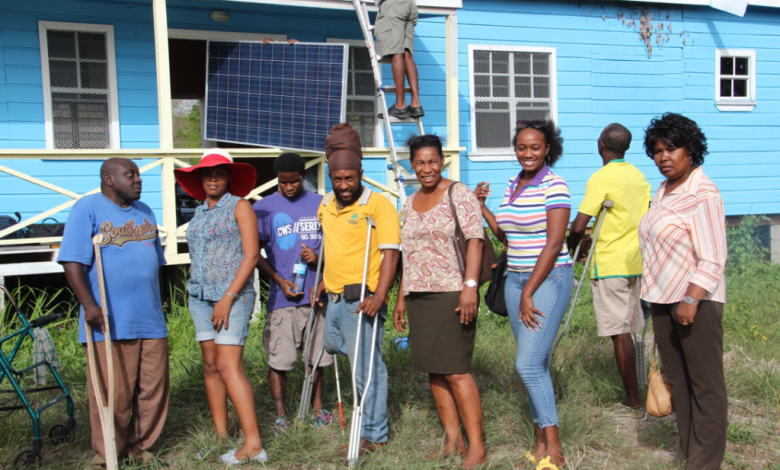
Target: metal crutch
[(641, 358), (308, 378), (338, 392), (357, 414), (604, 207), (106, 411)]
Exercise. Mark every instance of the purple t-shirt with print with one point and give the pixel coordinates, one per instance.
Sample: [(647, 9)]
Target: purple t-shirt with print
[(284, 224)]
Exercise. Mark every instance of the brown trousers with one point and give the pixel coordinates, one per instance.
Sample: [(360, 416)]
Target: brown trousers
[(140, 394), (692, 358)]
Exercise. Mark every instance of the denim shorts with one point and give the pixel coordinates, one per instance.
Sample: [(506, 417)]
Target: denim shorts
[(238, 320)]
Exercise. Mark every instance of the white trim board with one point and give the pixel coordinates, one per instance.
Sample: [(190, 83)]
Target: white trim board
[(497, 153), (206, 35), (113, 102), (424, 6)]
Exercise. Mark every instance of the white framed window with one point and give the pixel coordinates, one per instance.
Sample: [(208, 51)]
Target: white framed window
[(79, 85), (507, 84), (735, 79), (361, 94)]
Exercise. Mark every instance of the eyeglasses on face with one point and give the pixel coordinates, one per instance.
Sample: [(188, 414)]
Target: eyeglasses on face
[(536, 124)]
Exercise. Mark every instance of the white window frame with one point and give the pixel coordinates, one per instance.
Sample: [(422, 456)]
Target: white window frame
[(508, 155), (379, 136), (736, 103), (113, 99)]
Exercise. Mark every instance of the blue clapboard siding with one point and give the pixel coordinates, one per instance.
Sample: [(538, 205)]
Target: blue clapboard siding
[(605, 76)]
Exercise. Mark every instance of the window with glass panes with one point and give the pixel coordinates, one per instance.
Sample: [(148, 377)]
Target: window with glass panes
[(508, 85), (361, 95), (80, 98), (735, 77)]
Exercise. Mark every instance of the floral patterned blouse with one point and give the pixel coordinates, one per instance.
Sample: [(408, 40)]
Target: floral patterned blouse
[(430, 262), (215, 249)]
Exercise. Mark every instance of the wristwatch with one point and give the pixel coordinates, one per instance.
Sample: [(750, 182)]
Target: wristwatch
[(690, 300), (470, 283)]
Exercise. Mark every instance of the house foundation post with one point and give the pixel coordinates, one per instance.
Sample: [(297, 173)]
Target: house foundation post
[(775, 243)]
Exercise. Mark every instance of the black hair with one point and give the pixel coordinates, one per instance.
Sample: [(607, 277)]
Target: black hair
[(616, 138), (677, 131), (415, 143), (552, 136), (289, 162)]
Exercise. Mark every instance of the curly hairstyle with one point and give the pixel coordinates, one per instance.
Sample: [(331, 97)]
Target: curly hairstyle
[(415, 143), (552, 136), (677, 131)]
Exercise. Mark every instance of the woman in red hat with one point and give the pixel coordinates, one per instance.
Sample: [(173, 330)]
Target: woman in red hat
[(223, 243)]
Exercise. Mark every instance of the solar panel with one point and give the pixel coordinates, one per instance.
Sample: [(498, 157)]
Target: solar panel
[(275, 95)]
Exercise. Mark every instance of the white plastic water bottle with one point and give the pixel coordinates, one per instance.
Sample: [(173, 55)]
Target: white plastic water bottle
[(299, 273)]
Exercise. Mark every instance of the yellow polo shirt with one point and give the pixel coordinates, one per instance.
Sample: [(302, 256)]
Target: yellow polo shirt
[(617, 248), (345, 239)]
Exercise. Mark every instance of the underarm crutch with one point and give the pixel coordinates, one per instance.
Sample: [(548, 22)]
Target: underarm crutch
[(357, 414), (105, 411), (308, 378), (607, 204), (338, 392), (641, 359)]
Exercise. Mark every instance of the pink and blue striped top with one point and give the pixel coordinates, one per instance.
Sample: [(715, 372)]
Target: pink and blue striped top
[(523, 219)]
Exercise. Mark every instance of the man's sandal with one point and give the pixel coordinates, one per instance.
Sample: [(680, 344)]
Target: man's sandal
[(529, 457), (545, 464)]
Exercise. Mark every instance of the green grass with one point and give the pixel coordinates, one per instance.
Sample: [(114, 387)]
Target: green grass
[(583, 370)]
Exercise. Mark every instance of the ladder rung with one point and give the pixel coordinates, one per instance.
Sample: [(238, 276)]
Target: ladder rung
[(391, 89), (371, 27), (383, 59), (395, 120)]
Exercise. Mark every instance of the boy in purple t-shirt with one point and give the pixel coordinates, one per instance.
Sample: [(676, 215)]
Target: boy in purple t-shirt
[(289, 228)]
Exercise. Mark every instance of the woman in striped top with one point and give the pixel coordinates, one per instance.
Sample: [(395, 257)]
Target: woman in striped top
[(683, 243), (532, 220)]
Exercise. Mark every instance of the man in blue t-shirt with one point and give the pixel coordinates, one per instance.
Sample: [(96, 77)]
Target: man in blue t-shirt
[(289, 229), (132, 256)]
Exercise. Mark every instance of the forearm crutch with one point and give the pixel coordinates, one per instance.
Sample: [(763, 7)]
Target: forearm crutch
[(338, 392), (105, 411), (357, 414), (607, 204), (308, 377)]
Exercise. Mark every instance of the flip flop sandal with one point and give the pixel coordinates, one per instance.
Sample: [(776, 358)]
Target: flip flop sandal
[(281, 425), (530, 457), (545, 464), (324, 419)]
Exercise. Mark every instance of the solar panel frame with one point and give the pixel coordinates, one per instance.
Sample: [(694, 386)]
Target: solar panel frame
[(273, 88)]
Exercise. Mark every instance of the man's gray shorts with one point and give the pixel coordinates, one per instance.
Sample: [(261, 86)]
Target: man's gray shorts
[(394, 27)]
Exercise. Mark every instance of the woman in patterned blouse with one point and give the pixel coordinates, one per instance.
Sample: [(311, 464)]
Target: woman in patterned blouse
[(683, 243), (224, 248), (442, 304), (532, 220)]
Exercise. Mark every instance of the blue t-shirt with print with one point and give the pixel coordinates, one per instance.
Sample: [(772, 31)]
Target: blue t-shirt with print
[(284, 224), (132, 256)]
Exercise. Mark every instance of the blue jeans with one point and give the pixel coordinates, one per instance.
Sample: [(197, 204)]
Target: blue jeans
[(551, 298), (339, 338), (238, 319)]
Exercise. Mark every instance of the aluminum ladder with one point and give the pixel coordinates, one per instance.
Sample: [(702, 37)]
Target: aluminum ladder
[(365, 25)]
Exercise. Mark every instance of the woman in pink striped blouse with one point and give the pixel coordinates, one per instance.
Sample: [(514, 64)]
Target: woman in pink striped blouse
[(683, 243)]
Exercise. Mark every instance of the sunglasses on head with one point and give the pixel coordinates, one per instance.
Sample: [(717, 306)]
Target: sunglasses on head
[(536, 124)]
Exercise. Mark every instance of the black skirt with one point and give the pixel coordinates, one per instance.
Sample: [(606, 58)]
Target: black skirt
[(440, 343)]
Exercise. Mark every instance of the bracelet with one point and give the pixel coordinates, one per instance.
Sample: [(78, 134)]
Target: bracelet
[(235, 296)]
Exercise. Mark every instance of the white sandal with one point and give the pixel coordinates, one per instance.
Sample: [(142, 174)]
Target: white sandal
[(230, 458)]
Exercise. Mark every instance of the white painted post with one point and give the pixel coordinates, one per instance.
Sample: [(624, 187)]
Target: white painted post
[(453, 118), (774, 231)]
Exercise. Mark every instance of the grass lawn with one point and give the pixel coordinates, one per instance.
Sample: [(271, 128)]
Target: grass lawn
[(584, 375)]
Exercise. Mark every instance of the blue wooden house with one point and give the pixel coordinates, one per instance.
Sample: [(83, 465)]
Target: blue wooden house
[(84, 80)]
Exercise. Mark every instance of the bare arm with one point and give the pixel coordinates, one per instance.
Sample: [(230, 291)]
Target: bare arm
[(265, 267), (557, 220), (93, 315), (482, 192), (469, 296), (399, 311), (577, 230)]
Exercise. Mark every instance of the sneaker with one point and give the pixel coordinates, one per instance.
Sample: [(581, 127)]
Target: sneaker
[(621, 411), (281, 425), (230, 458), (324, 419)]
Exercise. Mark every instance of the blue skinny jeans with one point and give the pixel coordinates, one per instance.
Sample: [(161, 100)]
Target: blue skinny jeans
[(551, 298)]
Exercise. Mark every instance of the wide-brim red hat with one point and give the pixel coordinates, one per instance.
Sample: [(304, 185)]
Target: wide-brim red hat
[(241, 184)]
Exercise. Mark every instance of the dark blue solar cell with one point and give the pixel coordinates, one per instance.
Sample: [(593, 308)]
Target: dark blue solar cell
[(275, 94)]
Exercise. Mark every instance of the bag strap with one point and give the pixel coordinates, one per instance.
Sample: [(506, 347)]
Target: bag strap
[(458, 230)]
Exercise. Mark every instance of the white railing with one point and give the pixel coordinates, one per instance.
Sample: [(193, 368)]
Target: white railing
[(171, 233)]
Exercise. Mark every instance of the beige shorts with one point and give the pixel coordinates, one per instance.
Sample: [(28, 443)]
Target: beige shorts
[(394, 27), (284, 335), (616, 302)]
